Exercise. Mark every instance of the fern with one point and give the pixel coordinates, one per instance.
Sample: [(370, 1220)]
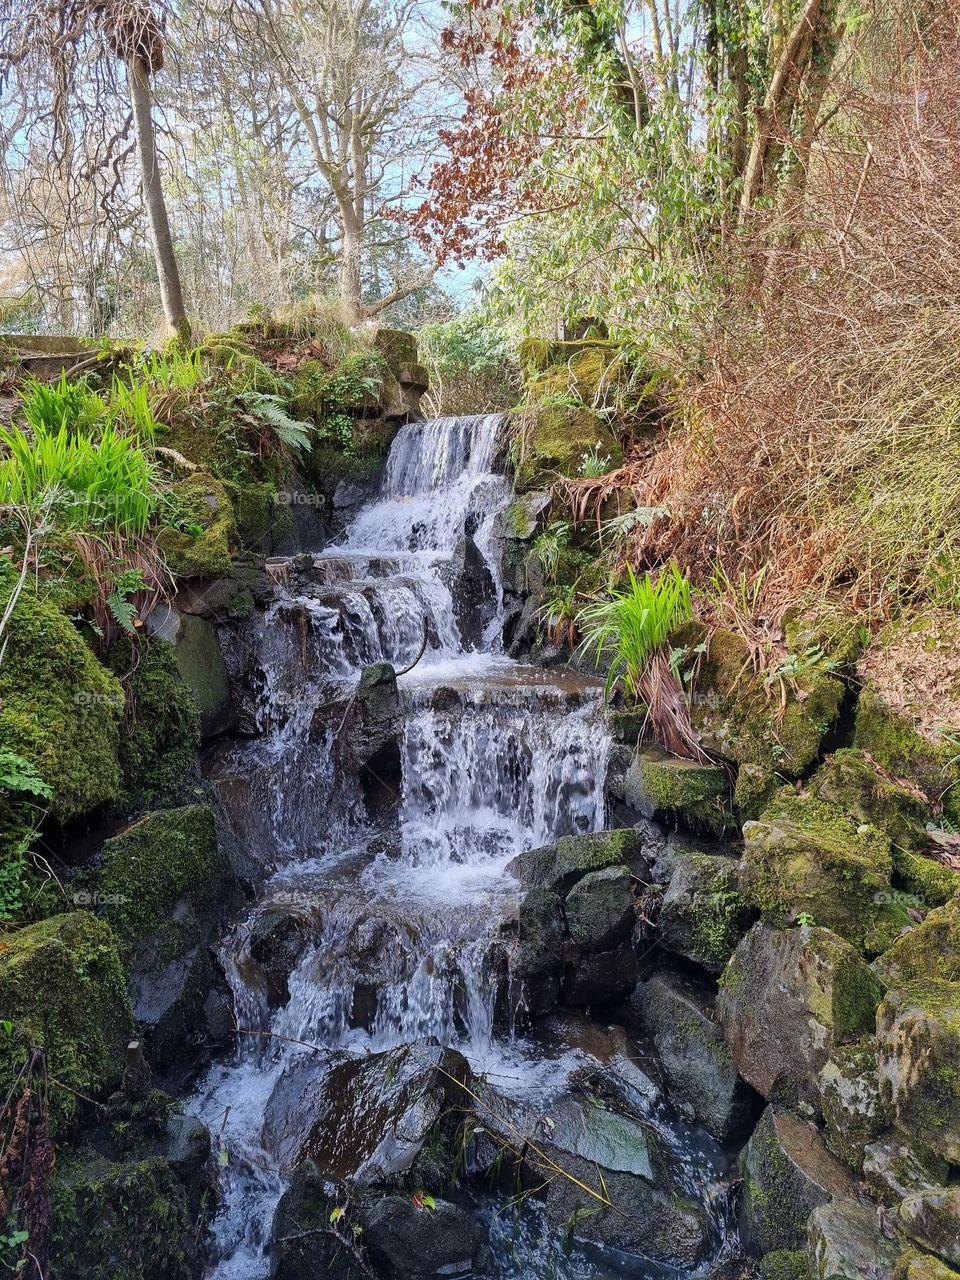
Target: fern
[(269, 410), (122, 609)]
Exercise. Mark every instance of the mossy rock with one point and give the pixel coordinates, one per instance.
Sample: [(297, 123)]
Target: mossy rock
[(160, 741), (59, 708), (538, 356), (891, 738), (553, 439), (845, 1242), (200, 663), (915, 1265), (557, 867), (918, 1034), (258, 513), (932, 1219), (120, 1221), (696, 795), (850, 1100), (742, 718), (929, 882), (895, 1167), (703, 914), (931, 950), (784, 1264), (849, 780), (806, 858), (62, 988), (164, 862), (754, 788), (201, 501)]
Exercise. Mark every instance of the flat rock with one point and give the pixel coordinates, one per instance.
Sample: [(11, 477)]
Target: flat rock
[(844, 1242), (557, 867)]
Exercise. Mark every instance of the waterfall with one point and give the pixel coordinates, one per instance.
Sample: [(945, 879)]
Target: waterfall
[(393, 926)]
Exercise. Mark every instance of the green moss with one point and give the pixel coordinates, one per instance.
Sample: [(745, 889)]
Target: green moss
[(930, 882), (159, 744), (62, 987), (784, 1264), (806, 857), (59, 708), (694, 794), (914, 1265), (931, 950), (257, 511), (127, 1221), (848, 1004), (201, 527), (849, 780), (753, 790), (704, 914), (554, 439), (893, 741), (397, 347), (166, 857)]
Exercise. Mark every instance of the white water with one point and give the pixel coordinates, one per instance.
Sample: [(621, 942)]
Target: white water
[(496, 758)]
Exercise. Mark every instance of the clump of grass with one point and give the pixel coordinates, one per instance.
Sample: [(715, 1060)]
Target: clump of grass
[(102, 482), (74, 405)]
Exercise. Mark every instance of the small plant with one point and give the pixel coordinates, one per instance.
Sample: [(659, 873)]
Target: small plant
[(49, 406), (593, 463), (548, 547), (127, 583), (17, 774), (559, 613), (264, 410), (133, 408)]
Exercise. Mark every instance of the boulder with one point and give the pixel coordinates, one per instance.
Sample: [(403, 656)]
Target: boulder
[(927, 882), (600, 909), (931, 950), (850, 780), (787, 1172), (62, 991), (600, 978), (844, 1242), (918, 1034), (557, 867), (932, 1219), (519, 521), (703, 914), (366, 1120), (374, 715), (536, 957), (306, 1244), (424, 1241), (895, 1167), (666, 787), (850, 1101), (200, 663), (786, 998), (914, 1265), (677, 1013), (804, 857), (555, 440)]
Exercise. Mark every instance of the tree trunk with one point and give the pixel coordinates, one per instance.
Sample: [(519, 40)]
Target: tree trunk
[(171, 292), (351, 248)]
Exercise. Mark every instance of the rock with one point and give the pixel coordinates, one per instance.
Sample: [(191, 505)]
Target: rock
[(849, 1089), (374, 715), (365, 1120), (805, 857), (784, 1264), (169, 1003), (602, 977), (536, 958), (556, 438), (62, 990), (786, 998), (845, 1243), (440, 1240), (918, 1034), (306, 1244), (932, 1219), (928, 882), (185, 1144), (557, 867), (662, 786), (914, 1265), (200, 663), (850, 781), (519, 521), (931, 950), (787, 1172), (703, 915), (895, 1167), (276, 942), (600, 909), (628, 725), (600, 1136), (676, 1012)]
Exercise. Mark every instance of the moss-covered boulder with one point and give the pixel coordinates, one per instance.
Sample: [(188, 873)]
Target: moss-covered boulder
[(928, 882), (932, 1219), (844, 1242), (59, 708), (787, 1172), (744, 717), (850, 781), (557, 867), (689, 792), (931, 950), (703, 914), (853, 1109), (62, 989), (600, 909), (554, 440), (806, 858), (201, 527), (786, 998), (918, 1034), (120, 1221), (200, 663), (894, 1167), (161, 737), (929, 761), (915, 1265)]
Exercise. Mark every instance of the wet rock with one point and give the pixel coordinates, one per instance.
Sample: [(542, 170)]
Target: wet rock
[(918, 1034), (306, 1243), (697, 795), (537, 956), (519, 521), (844, 1242), (374, 715), (557, 867), (601, 978), (368, 1119), (276, 943), (787, 1172), (200, 662), (931, 950), (932, 1219), (805, 856), (786, 998), (895, 1167), (677, 1013), (613, 1141), (600, 909), (850, 1101), (703, 914), (628, 725), (407, 1242)]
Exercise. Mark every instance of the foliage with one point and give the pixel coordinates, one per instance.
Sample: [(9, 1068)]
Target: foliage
[(127, 583), (471, 366), (594, 463), (548, 547), (94, 482), (47, 407), (259, 408)]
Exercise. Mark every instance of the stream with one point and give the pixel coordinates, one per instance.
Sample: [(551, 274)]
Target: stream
[(383, 888)]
